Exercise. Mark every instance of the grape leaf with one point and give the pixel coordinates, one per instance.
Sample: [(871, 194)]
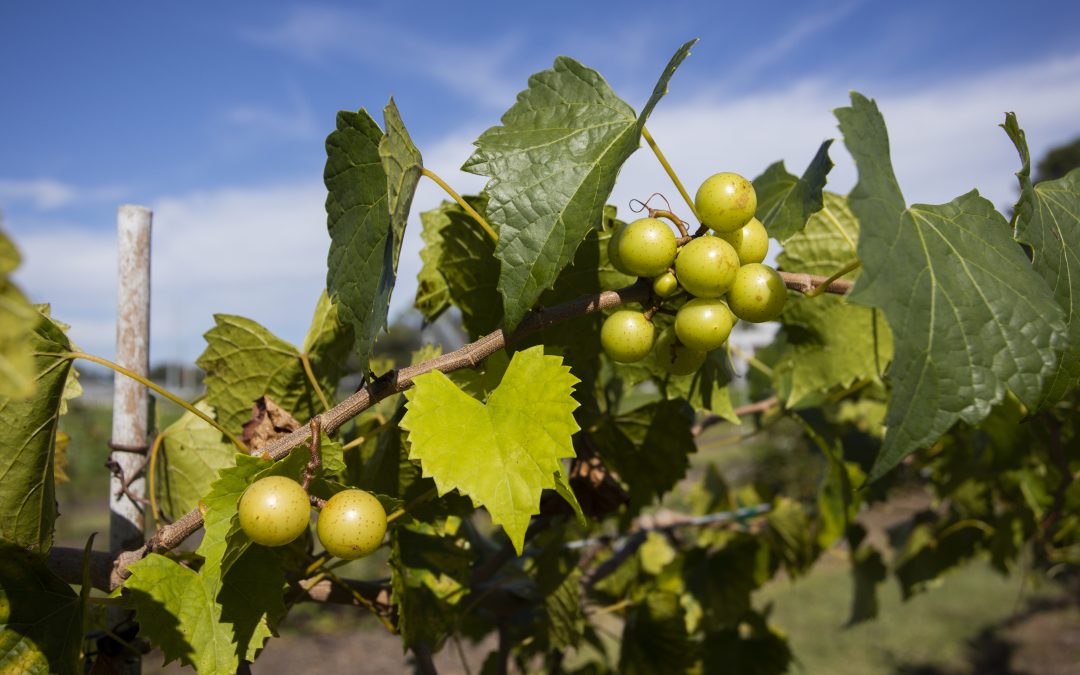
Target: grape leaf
[(432, 293), (831, 344), (654, 638), (192, 453), (1048, 220), (651, 452), (785, 202), (503, 453), (970, 317), (753, 648), (243, 361), (722, 578), (366, 210), (203, 620), (402, 163), (471, 271), (17, 321), (41, 618), (552, 165), (788, 533), (29, 425), (430, 572), (327, 345)]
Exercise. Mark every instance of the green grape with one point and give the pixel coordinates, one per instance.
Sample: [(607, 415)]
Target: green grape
[(675, 357), (274, 511), (706, 267), (352, 524), (704, 323), (725, 202), (627, 336), (613, 248), (665, 285), (646, 247), (758, 294), (750, 241)]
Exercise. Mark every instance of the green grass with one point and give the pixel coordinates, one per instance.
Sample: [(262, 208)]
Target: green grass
[(931, 629)]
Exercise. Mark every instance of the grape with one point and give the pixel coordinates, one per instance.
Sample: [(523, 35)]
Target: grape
[(706, 267), (613, 248), (352, 524), (704, 323), (675, 357), (758, 294), (627, 336), (751, 242), (646, 247), (665, 285), (725, 202), (274, 511)]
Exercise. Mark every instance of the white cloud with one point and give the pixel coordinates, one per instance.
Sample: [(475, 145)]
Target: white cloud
[(260, 251), (46, 194), (296, 121), (319, 33)]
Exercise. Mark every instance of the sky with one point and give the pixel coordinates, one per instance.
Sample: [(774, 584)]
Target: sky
[(215, 116)]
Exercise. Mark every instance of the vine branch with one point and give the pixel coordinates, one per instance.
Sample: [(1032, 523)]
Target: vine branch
[(397, 381)]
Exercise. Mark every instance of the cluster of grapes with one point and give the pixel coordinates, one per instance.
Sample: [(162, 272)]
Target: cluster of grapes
[(723, 273), (274, 511)]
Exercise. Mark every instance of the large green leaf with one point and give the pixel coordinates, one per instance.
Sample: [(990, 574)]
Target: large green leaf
[(41, 618), (552, 165), (649, 449), (402, 163), (243, 361), (502, 453), (831, 344), (785, 202), (327, 345), (432, 293), (192, 452), (28, 427), (370, 179), (203, 620), (17, 321), (970, 317), (1048, 220), (469, 266), (654, 638)]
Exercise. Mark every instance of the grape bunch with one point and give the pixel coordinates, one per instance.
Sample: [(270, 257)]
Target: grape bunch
[(275, 510), (720, 273)]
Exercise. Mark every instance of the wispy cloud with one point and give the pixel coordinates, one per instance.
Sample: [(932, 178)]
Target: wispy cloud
[(318, 33), (47, 194), (294, 121)]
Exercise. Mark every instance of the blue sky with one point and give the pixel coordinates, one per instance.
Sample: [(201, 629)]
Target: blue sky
[(215, 114)]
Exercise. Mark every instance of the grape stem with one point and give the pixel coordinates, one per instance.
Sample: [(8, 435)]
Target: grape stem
[(670, 171), (679, 223), (306, 362), (315, 463), (167, 394), (424, 171), (397, 381), (818, 290)]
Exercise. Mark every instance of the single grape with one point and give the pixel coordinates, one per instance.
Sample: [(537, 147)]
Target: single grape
[(613, 248), (274, 511), (675, 357), (646, 247), (704, 323), (627, 336), (758, 294), (665, 285), (725, 201), (706, 266), (352, 524), (750, 241)]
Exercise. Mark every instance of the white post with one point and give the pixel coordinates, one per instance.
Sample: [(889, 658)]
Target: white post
[(130, 399)]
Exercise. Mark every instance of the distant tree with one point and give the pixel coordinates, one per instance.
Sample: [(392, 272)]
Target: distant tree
[(1059, 161)]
